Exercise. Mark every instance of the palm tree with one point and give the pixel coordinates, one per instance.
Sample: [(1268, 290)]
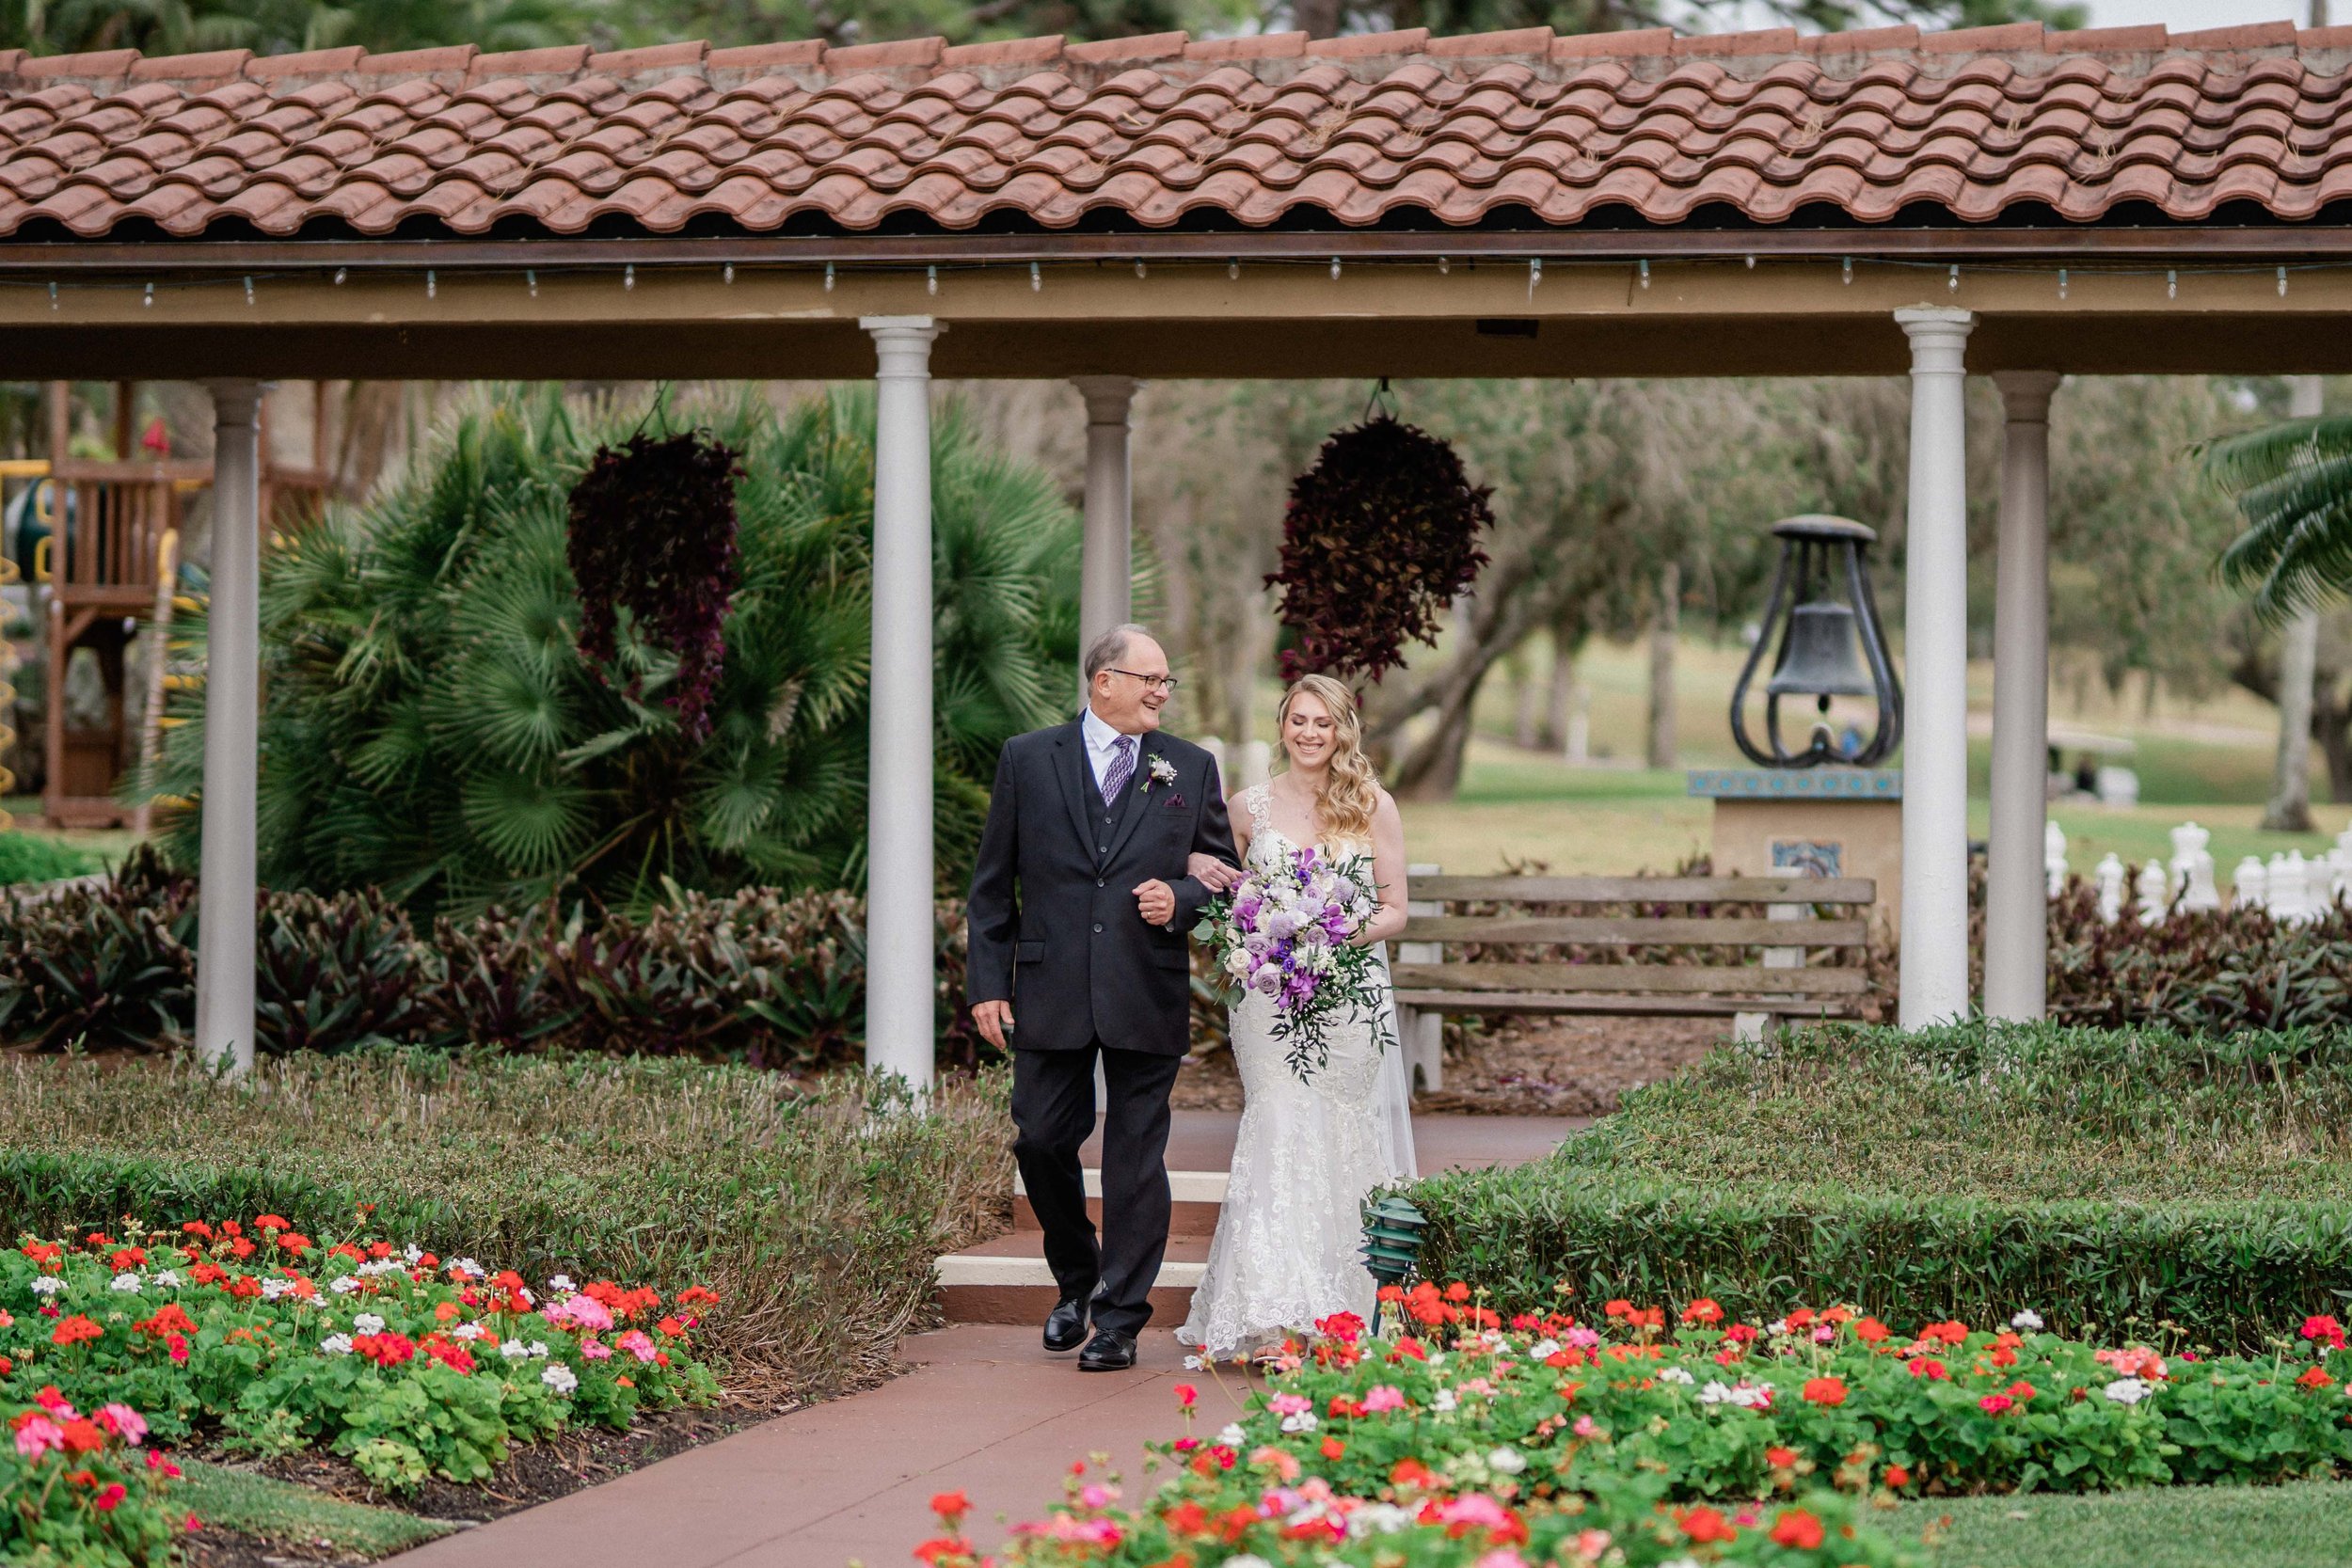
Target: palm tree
[(430, 728), (2293, 484)]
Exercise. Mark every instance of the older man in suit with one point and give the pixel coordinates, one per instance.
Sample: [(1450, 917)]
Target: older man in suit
[(1080, 910)]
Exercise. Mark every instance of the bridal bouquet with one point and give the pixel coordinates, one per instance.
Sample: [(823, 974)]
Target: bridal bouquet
[(1283, 932)]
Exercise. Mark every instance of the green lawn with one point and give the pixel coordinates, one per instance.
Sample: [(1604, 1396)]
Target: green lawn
[(296, 1516), (2304, 1526)]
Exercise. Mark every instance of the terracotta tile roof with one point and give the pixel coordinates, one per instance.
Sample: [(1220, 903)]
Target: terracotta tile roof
[(1164, 130)]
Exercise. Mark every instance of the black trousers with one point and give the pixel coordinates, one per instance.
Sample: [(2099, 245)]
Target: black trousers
[(1053, 1113)]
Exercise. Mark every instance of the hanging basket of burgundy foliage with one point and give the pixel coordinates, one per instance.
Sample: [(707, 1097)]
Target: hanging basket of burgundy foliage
[(1380, 535), (653, 528)]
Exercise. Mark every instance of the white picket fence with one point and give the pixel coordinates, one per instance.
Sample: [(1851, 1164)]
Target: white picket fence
[(2292, 887)]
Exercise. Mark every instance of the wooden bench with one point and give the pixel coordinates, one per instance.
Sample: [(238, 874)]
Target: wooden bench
[(1782, 986)]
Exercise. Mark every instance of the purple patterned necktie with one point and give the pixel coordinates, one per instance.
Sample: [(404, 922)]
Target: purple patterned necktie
[(1122, 767)]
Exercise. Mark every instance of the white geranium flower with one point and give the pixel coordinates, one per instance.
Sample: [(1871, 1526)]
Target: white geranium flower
[(562, 1284), (1542, 1350), (1303, 1421), (469, 1269), (2127, 1390), (466, 1331), (1717, 1392), (47, 1285), (2027, 1321), (1681, 1562), (1507, 1462), (335, 1344), (1777, 1328), (127, 1283), (1444, 1401), (1675, 1374), (560, 1378), (273, 1289), (514, 1349), (167, 1278), (414, 1253), (1378, 1519), (1233, 1437), (380, 1266), (366, 1323), (1247, 1560), (343, 1285), (538, 1350)]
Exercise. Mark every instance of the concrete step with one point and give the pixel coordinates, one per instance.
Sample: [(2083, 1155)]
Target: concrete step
[(1006, 1280), (1196, 1197)]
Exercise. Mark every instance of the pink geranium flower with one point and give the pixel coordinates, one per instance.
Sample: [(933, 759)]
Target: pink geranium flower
[(1382, 1397), (124, 1422), (37, 1435)]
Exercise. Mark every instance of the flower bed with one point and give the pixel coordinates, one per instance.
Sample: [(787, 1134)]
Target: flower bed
[(406, 1364), (1634, 1440), (76, 1489)]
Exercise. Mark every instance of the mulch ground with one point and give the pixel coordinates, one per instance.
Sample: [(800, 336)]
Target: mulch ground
[(1562, 1066), (534, 1474)]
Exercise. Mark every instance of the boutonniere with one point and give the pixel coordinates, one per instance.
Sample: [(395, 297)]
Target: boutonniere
[(1157, 769)]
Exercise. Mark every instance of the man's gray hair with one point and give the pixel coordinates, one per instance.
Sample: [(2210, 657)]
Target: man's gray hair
[(1109, 648)]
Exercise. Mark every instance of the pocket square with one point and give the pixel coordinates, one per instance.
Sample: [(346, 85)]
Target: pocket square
[(1175, 802)]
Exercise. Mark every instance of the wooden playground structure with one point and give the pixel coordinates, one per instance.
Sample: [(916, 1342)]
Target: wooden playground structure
[(111, 562)]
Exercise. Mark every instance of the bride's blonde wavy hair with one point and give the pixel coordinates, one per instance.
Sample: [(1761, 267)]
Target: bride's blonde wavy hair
[(1351, 790)]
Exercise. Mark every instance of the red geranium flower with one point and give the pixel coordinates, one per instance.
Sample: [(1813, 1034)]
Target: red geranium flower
[(2314, 1377), (1796, 1529), (1703, 1311), (74, 1330), (1825, 1390)]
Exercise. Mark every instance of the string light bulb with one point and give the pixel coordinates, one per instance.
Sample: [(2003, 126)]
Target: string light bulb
[(1445, 264), (1953, 281), (1140, 270), (148, 301), (2061, 282), (1335, 269), (1845, 269), (2172, 283), (248, 291), (1534, 274), (828, 277), (531, 280), (1036, 279), (53, 295), (726, 275), (629, 276), (431, 284), (1233, 268), (1645, 272), (2282, 282), (1751, 260), (339, 276), (930, 279)]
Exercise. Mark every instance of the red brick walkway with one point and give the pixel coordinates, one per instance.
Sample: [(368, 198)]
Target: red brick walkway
[(982, 1407)]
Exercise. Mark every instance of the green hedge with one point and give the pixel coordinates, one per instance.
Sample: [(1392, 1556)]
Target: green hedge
[(815, 1218), (2121, 1178)]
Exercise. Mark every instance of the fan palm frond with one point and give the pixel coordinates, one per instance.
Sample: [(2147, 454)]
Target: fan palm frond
[(2292, 486)]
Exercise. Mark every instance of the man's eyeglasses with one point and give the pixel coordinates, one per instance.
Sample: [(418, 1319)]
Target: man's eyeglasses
[(1158, 683)]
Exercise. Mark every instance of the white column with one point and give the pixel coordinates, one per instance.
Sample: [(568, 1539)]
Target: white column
[(899, 942), (1935, 674), (2016, 947), (232, 681), (1106, 566)]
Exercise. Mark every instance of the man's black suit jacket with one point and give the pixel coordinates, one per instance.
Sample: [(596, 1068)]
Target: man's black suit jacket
[(1054, 924)]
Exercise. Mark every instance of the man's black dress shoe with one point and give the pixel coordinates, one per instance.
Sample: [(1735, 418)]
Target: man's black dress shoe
[(1109, 1350), (1066, 1324)]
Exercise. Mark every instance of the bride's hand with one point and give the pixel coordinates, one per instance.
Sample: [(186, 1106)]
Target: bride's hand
[(1210, 872)]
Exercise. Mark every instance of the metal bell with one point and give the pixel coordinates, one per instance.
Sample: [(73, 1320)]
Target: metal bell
[(1823, 656)]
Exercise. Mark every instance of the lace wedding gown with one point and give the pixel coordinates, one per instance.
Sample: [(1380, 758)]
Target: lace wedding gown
[(1286, 1251)]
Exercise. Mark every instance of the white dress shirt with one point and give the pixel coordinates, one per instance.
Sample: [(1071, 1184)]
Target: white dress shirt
[(1099, 738)]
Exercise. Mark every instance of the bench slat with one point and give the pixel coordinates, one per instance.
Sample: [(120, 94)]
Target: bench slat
[(1637, 931), (1668, 1006), (1508, 979), (1647, 889)]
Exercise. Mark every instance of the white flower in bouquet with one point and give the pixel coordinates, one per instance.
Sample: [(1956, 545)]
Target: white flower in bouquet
[(1237, 963)]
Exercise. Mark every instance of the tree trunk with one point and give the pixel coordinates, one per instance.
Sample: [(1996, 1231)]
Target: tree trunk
[(1433, 769), (2290, 807), (1526, 727), (2331, 726), (1561, 709), (1665, 625)]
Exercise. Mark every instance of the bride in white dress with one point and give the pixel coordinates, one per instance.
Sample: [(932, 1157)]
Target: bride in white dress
[(1308, 1153)]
